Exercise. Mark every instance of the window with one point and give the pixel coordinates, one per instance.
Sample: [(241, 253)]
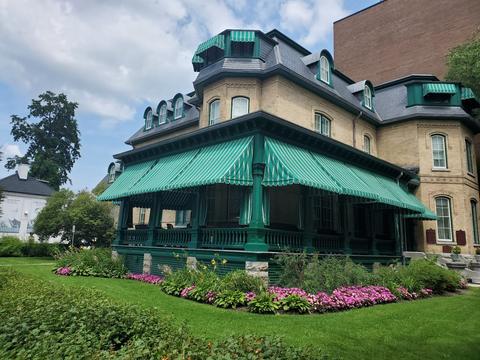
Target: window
[(242, 49), (149, 120), (111, 174), (240, 106), (141, 216), (468, 147), (473, 205), (324, 70), (444, 219), (162, 114), (322, 124), (439, 152), (366, 144), (181, 217), (324, 208), (367, 97), (178, 112), (214, 112)]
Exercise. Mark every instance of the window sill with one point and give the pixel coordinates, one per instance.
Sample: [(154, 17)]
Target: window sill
[(445, 242), (440, 170)]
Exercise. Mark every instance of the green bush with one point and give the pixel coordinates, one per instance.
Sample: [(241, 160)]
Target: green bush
[(206, 281), (295, 303), (230, 299), (91, 262), (241, 281), (178, 280), (263, 304), (42, 249), (10, 246), (292, 268), (41, 320)]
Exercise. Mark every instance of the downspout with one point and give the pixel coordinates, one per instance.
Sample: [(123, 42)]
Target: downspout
[(401, 224), (355, 128)]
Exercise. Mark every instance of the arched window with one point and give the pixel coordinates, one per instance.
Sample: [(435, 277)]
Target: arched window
[(469, 153), (240, 106), (439, 151), (111, 173), (444, 218), (162, 114), (367, 144), (473, 206), (214, 112), (149, 120), (324, 69), (367, 97), (322, 124), (178, 110)]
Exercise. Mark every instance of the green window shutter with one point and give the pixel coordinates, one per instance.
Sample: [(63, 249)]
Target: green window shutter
[(242, 36), (439, 88)]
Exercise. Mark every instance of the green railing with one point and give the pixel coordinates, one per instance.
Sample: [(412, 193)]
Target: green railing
[(360, 245), (328, 243), (223, 238), (279, 240), (134, 237), (172, 237)]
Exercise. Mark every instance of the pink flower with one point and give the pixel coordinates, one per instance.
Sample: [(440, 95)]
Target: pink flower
[(147, 278), (65, 271), (250, 296), (185, 291)]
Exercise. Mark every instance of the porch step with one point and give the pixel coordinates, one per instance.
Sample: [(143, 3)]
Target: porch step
[(472, 275), (414, 255)]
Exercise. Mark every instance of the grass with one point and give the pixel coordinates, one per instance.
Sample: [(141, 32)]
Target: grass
[(444, 327)]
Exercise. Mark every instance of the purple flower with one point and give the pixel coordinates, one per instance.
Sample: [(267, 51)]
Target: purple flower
[(65, 271), (250, 296), (147, 278), (184, 293)]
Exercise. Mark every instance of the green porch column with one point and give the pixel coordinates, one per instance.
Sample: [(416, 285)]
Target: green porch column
[(373, 230), (195, 221), (398, 232), (122, 220), (153, 219), (347, 221), (256, 231), (308, 220)]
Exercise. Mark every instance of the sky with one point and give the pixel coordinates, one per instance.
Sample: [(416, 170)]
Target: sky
[(116, 57)]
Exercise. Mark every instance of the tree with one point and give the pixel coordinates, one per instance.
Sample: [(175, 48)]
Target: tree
[(92, 219), (464, 64), (53, 141), (1, 192)]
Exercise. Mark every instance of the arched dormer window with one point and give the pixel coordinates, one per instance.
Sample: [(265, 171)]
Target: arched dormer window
[(148, 116), (439, 151), (367, 144), (323, 124), (325, 67), (162, 112), (214, 112), (178, 107), (111, 173), (368, 97), (240, 106)]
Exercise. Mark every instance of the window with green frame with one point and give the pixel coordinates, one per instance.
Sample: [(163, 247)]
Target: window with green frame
[(473, 205), (469, 153), (178, 109), (141, 216), (322, 124)]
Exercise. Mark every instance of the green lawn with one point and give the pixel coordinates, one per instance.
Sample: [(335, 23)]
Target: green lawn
[(444, 327)]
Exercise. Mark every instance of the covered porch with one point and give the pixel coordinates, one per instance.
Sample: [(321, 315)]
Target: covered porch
[(256, 194)]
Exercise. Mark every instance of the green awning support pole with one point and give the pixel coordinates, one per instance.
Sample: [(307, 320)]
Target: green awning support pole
[(193, 244), (373, 230), (153, 219), (308, 219), (256, 231), (121, 221), (398, 233), (347, 215)]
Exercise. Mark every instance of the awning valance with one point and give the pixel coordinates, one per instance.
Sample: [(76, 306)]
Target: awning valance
[(242, 36), (197, 60), (225, 163), (467, 93), (288, 164), (216, 41), (439, 88)]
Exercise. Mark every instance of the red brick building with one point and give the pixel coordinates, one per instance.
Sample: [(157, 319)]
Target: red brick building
[(395, 38)]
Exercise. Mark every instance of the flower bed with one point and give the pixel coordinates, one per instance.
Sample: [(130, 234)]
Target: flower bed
[(147, 278)]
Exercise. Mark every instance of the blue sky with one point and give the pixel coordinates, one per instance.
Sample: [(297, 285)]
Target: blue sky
[(116, 57)]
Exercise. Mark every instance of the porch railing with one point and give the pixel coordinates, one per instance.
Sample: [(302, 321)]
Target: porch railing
[(134, 237), (172, 237), (279, 240), (223, 238), (328, 243)]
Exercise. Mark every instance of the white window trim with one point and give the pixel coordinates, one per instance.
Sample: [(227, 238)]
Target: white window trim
[(449, 203), (164, 106), (469, 157), (367, 97), (149, 120), (233, 104), (444, 137), (369, 150), (318, 124), (216, 120), (324, 69), (179, 100)]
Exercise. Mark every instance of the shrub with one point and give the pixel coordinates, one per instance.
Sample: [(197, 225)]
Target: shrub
[(91, 262), (292, 268), (295, 303), (41, 320), (230, 299), (42, 249), (263, 303), (241, 281), (178, 280), (11, 246)]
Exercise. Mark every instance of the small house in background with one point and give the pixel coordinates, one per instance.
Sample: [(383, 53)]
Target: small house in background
[(24, 197)]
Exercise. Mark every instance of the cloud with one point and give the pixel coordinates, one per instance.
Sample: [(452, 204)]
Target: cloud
[(10, 150)]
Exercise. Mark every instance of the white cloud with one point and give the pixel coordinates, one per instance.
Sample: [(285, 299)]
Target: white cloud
[(10, 150)]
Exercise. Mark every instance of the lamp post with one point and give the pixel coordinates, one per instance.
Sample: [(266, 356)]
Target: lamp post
[(73, 234)]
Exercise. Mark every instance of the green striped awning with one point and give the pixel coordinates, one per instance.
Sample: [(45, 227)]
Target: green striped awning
[(129, 177), (197, 60), (217, 41), (225, 163), (288, 164), (467, 93), (427, 214), (242, 36), (439, 88)]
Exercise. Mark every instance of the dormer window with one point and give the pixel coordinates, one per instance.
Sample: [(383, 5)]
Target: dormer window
[(162, 114), (240, 106), (214, 112), (148, 119), (324, 69), (367, 97), (111, 174), (178, 109)]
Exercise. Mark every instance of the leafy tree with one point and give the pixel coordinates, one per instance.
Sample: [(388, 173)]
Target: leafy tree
[(92, 219), (100, 188), (464, 64), (53, 141)]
